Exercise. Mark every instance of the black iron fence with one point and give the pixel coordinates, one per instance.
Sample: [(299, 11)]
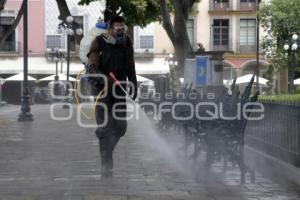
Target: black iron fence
[(278, 134)]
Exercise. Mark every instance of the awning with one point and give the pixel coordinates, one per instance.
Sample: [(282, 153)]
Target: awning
[(141, 78), (246, 79), (297, 81), (62, 77), (40, 65), (36, 65), (19, 77), (155, 66)]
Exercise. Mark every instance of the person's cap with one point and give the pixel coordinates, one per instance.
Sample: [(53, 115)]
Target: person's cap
[(116, 19)]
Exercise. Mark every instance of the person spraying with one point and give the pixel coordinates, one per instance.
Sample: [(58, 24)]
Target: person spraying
[(112, 53)]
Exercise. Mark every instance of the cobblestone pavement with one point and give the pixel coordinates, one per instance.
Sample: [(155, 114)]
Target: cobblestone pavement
[(53, 160)]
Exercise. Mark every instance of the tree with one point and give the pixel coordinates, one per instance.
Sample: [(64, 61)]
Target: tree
[(2, 4), (279, 20), (142, 12)]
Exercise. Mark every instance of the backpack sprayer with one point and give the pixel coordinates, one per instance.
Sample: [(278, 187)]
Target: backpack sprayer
[(85, 44), (116, 81)]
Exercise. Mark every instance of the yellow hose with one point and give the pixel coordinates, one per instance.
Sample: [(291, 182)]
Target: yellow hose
[(77, 98)]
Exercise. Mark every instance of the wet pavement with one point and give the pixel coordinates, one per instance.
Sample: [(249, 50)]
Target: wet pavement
[(48, 159)]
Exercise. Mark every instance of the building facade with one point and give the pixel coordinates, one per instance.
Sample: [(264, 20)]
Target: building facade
[(44, 35), (85, 16), (231, 26), (219, 25), (36, 36)]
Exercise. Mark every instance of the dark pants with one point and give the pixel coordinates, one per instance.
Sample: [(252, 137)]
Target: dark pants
[(110, 134)]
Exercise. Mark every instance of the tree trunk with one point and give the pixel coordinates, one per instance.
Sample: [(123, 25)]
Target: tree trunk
[(2, 4), (64, 11), (130, 33), (178, 35)]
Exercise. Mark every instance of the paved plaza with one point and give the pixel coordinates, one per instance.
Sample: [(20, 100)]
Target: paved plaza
[(56, 160)]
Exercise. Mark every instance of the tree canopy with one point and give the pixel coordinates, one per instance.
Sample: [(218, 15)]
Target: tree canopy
[(282, 17), (280, 20), (136, 12)]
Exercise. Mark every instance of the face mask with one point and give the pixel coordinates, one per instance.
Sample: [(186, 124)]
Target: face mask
[(120, 39), (119, 33)]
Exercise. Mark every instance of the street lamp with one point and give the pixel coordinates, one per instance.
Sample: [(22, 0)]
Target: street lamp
[(25, 114), (55, 55), (257, 44), (292, 45), (71, 29)]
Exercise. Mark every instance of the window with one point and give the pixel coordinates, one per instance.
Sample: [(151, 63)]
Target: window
[(190, 30), (248, 1), (221, 32), (146, 42), (75, 39), (144, 37), (247, 32), (221, 1), (55, 41), (10, 43)]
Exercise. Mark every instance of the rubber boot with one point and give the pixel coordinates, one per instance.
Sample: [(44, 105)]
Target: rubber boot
[(105, 155)]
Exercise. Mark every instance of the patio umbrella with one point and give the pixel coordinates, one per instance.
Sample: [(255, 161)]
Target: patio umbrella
[(297, 81), (247, 78), (19, 77), (141, 78), (62, 77)]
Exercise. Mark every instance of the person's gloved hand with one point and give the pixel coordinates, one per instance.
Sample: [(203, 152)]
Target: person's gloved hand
[(96, 82)]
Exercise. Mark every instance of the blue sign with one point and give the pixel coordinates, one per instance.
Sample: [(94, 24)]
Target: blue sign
[(201, 71)]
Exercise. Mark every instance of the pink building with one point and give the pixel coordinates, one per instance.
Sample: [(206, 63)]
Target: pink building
[(36, 36)]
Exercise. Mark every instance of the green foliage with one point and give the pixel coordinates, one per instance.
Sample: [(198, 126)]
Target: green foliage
[(283, 16), (136, 12), (271, 77), (281, 99), (279, 19)]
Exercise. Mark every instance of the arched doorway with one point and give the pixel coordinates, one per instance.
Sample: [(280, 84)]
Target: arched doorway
[(249, 67)]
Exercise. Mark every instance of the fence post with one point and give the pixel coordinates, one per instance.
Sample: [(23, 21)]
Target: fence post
[(298, 139)]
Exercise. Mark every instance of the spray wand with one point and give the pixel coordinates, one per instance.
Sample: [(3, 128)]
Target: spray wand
[(117, 82)]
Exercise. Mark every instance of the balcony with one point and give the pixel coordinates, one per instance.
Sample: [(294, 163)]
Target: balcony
[(225, 46), (220, 48), (220, 5), (246, 6), (246, 49), (10, 48)]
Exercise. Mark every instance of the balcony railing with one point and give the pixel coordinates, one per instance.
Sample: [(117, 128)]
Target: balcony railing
[(247, 6), (222, 47), (220, 6), (245, 49), (10, 47)]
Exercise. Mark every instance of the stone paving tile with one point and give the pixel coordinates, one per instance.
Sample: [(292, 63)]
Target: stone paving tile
[(47, 159), (105, 197)]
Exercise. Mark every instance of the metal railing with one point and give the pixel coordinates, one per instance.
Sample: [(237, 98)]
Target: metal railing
[(228, 47), (220, 6), (278, 134), (245, 48), (246, 6)]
